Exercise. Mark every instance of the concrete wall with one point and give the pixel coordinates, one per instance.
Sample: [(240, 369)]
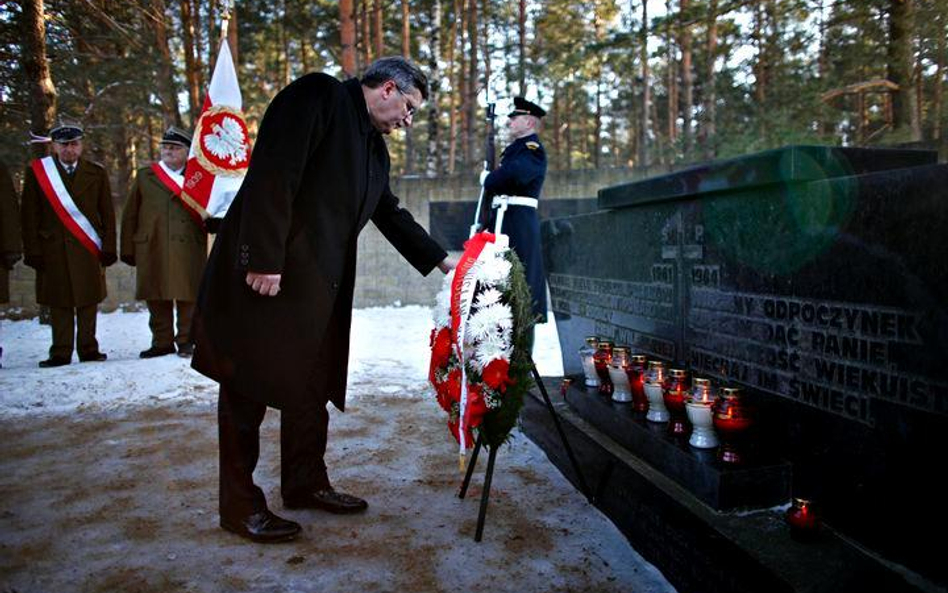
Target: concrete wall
[(383, 276)]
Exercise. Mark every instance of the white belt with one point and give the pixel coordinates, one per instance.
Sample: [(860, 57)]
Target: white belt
[(501, 203), (498, 201)]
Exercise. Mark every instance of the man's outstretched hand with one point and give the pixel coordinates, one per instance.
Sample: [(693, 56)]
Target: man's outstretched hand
[(448, 263), (265, 284)]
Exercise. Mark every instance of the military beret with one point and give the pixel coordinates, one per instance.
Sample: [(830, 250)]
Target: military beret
[(524, 107), (175, 135), (66, 132)]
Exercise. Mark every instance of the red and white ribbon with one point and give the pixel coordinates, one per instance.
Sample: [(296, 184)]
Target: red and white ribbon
[(63, 205), (476, 248), (173, 181)]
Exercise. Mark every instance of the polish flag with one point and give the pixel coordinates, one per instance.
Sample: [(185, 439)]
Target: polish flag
[(220, 151)]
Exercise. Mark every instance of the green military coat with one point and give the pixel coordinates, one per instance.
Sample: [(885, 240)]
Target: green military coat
[(166, 245), (9, 228), (70, 276)]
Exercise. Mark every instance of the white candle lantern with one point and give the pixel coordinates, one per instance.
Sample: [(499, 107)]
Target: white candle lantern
[(699, 406), (654, 388), (618, 368), (586, 358)]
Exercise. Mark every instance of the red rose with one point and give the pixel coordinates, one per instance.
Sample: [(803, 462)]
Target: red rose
[(476, 407), (496, 376), (441, 348), (454, 385)]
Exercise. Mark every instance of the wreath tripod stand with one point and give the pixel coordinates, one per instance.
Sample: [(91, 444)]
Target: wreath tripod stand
[(492, 454)]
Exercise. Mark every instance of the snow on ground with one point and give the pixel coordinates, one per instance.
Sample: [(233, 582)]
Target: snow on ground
[(388, 354), (108, 483)]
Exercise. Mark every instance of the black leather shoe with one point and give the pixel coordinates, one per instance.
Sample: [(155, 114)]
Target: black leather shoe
[(94, 357), (185, 350), (156, 351), (54, 361), (263, 527), (328, 500)]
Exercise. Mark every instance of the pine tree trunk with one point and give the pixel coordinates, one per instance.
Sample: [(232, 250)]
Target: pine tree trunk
[(232, 39), (166, 86), (671, 79), (190, 64), (472, 86), (646, 85), (406, 30), (366, 40), (212, 36), (708, 129), (900, 52), (406, 53), (687, 81), (347, 38), (454, 70), (42, 91), (199, 43), (379, 38), (434, 164)]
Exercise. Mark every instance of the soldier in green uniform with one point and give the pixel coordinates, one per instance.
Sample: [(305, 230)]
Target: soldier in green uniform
[(166, 245), (10, 249), (69, 239)]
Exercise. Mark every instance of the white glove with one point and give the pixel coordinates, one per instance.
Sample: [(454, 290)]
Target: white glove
[(484, 174)]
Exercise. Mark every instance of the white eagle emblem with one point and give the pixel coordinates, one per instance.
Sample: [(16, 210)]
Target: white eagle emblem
[(227, 141)]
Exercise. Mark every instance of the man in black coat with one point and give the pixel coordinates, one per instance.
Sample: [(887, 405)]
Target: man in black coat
[(273, 314), (514, 188)]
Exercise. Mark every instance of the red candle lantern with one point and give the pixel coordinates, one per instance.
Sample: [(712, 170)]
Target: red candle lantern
[(803, 520), (674, 392), (733, 418), (636, 372), (601, 359)]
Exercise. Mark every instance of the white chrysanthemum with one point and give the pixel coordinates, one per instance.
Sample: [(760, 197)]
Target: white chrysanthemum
[(488, 352), (486, 321), (488, 298), (493, 271)]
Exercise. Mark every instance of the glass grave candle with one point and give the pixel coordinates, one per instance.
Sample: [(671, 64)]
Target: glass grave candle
[(586, 359), (733, 418), (618, 367), (636, 373), (698, 406), (601, 359), (654, 388), (803, 520), (676, 389)]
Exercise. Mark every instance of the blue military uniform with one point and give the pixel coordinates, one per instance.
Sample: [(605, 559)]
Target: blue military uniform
[(521, 173)]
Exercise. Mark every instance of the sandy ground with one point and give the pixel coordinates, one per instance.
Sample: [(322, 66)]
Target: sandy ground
[(124, 500), (108, 483)]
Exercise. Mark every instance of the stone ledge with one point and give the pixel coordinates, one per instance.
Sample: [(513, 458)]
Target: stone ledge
[(698, 549)]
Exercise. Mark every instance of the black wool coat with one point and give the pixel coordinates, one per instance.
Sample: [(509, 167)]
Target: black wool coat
[(318, 173)]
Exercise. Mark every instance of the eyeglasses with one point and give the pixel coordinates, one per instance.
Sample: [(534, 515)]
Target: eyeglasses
[(408, 106)]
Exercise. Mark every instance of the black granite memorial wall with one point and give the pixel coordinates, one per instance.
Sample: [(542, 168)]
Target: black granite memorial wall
[(816, 278)]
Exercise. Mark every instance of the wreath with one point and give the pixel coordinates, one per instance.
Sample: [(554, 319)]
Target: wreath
[(485, 300)]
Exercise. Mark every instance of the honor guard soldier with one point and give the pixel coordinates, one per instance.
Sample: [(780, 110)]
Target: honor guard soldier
[(10, 249), (69, 239), (513, 189), (167, 246)]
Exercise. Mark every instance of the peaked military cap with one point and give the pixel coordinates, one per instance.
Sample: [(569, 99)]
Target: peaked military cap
[(175, 135), (524, 107), (66, 132)]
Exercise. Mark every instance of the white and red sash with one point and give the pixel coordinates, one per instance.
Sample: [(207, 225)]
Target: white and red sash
[(173, 181), (63, 205)]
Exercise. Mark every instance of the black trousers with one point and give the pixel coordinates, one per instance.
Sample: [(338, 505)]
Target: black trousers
[(303, 436)]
